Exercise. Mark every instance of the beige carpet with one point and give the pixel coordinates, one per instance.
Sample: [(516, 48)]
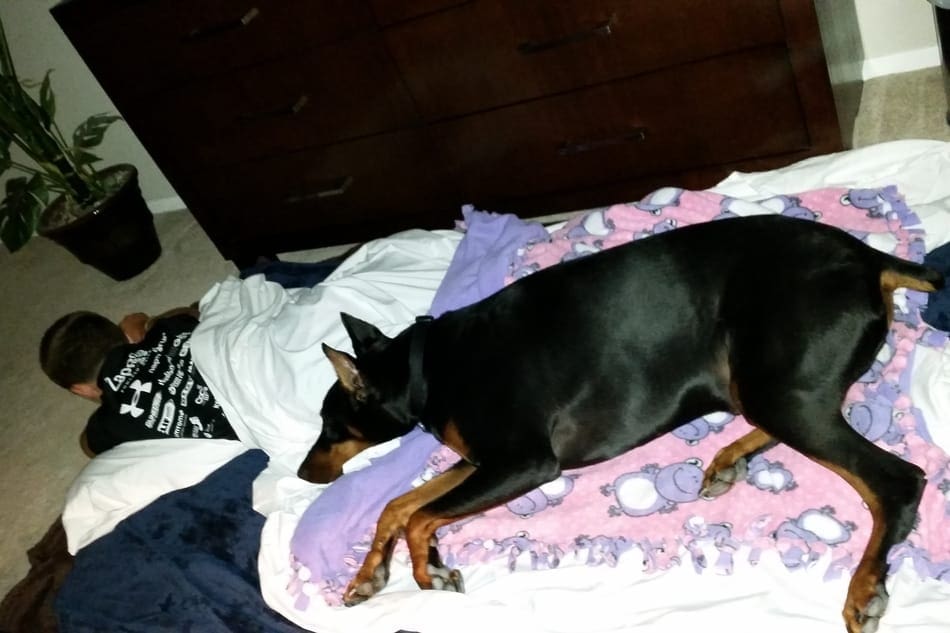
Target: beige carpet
[(39, 452), (910, 105)]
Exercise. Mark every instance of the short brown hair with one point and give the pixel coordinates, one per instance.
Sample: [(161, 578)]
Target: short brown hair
[(73, 348)]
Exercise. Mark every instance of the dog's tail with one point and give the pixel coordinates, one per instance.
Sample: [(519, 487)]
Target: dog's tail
[(900, 273)]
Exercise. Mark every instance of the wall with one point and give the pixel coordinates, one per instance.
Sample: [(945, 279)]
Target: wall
[(37, 45), (897, 36)]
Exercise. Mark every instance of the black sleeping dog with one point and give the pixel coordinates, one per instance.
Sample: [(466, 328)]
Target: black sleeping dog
[(770, 317)]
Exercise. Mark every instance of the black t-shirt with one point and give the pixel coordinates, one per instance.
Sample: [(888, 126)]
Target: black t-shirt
[(153, 390)]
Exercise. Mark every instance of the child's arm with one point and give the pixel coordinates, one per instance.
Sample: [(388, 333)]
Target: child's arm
[(136, 325), (84, 444), (191, 310)]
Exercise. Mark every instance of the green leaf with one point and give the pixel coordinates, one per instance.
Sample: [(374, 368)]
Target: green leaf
[(5, 160), (81, 157), (8, 87), (20, 210), (14, 115), (29, 110), (47, 98), (90, 133)]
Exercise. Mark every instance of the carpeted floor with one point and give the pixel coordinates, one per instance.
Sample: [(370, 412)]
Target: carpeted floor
[(39, 453)]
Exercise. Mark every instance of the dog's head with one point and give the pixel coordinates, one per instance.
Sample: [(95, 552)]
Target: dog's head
[(367, 405)]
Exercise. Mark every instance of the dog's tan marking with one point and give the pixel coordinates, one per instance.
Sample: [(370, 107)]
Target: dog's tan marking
[(322, 466), (869, 573), (396, 516), (454, 440), (723, 371), (734, 397), (891, 281)]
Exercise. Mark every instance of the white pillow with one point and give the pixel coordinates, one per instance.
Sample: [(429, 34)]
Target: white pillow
[(125, 479)]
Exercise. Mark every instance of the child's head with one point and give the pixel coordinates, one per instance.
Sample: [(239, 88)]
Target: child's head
[(73, 348)]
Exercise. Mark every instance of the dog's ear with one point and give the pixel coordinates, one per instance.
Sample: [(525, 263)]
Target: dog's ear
[(346, 370), (365, 336)]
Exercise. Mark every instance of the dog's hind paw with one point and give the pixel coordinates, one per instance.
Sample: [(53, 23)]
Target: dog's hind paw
[(718, 483), (867, 619)]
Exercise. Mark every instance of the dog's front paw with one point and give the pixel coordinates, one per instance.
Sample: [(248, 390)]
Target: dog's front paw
[(432, 573), (719, 482), (366, 585), (445, 579)]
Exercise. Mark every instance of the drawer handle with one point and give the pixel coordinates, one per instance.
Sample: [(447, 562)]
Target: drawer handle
[(336, 187), (569, 148), (601, 29), (210, 30), (289, 110)]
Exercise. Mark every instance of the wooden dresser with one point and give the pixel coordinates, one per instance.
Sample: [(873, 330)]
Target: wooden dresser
[(290, 124)]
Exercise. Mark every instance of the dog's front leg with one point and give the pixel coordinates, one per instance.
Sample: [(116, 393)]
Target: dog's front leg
[(374, 573), (487, 487)]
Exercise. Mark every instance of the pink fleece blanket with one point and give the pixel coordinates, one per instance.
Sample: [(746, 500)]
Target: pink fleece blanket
[(648, 498), (646, 501)]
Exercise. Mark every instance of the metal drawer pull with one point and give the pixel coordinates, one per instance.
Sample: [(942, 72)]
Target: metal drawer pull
[(636, 135), (222, 27), (290, 110), (336, 187), (601, 29)]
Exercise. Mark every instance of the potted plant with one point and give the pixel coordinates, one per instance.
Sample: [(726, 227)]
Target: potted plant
[(98, 215)]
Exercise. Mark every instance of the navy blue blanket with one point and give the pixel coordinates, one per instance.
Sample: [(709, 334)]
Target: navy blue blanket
[(186, 562), (294, 274), (937, 312)]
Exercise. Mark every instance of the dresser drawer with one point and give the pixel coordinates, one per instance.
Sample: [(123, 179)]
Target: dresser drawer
[(140, 47), (738, 106), (335, 92), (489, 53), (350, 184), (390, 11)]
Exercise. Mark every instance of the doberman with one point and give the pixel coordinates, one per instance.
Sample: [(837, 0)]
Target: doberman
[(773, 318)]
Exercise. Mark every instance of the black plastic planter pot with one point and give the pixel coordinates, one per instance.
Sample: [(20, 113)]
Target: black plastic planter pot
[(116, 237)]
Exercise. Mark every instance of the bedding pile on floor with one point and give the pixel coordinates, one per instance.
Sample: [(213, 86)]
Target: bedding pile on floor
[(646, 501), (260, 351)]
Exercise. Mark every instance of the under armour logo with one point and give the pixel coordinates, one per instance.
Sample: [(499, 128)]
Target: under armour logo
[(198, 426), (138, 387)]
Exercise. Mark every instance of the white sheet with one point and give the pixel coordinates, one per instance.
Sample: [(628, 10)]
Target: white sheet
[(388, 282), (919, 168), (258, 345)]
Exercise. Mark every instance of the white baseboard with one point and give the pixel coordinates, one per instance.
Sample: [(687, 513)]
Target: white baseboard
[(164, 205), (900, 62)]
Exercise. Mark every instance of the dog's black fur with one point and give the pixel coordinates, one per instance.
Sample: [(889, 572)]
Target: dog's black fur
[(770, 317)]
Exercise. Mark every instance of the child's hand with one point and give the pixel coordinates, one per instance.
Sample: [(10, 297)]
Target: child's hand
[(134, 326)]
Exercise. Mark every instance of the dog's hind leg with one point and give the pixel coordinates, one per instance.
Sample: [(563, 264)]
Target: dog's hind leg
[(892, 497), (891, 487), (730, 463)]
